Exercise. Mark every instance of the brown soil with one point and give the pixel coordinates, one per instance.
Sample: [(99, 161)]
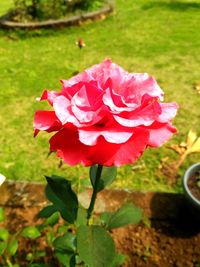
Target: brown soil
[(194, 185), (169, 237)]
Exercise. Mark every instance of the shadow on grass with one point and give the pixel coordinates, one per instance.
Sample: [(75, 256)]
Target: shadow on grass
[(22, 34), (172, 5)]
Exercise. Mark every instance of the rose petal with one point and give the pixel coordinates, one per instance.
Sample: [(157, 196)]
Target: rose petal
[(112, 133), (100, 73), (71, 90), (49, 95), (68, 147), (87, 104), (160, 133), (88, 97), (46, 121), (169, 111), (115, 102), (145, 115), (87, 117), (109, 154), (62, 107), (72, 151), (143, 84), (79, 78), (106, 116)]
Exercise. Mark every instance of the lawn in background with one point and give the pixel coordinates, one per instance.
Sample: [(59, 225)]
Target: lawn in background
[(158, 37)]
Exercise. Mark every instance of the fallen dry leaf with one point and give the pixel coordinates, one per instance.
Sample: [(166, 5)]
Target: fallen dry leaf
[(192, 145), (196, 146), (197, 87), (192, 136)]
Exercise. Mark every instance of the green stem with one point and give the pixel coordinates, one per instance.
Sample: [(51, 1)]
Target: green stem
[(9, 263), (95, 191)]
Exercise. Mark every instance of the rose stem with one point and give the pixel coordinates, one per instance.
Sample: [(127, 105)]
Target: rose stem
[(95, 191)]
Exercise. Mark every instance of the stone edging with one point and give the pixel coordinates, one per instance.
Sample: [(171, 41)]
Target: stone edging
[(75, 20)]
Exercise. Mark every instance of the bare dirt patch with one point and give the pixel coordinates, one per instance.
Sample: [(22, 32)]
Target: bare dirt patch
[(168, 237)]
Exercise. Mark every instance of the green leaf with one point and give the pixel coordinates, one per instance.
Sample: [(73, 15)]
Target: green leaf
[(12, 246), (4, 234), (29, 256), (127, 214), (105, 217), (53, 219), (59, 192), (78, 260), (73, 261), (65, 243), (39, 254), (118, 260), (95, 246), (30, 232), (3, 246), (107, 176), (64, 258), (81, 217), (50, 237), (2, 215), (47, 211), (62, 229)]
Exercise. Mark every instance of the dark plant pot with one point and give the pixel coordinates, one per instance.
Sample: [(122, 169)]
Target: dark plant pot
[(194, 202)]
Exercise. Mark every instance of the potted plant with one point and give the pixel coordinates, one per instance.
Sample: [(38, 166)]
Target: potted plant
[(191, 185)]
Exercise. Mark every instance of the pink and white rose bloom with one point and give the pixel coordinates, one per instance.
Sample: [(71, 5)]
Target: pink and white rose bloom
[(106, 116)]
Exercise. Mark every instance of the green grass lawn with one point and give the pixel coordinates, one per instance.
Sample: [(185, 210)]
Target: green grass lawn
[(158, 37), (5, 5)]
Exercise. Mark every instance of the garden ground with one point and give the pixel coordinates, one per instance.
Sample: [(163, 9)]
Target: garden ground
[(171, 241)]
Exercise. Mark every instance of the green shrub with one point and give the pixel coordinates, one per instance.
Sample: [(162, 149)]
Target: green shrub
[(27, 10)]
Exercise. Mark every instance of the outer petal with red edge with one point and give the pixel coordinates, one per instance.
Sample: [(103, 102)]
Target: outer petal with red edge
[(69, 148), (160, 133), (72, 151), (113, 133), (109, 154), (49, 95), (46, 121)]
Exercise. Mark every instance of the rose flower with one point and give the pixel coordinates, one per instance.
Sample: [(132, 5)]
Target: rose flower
[(106, 116)]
